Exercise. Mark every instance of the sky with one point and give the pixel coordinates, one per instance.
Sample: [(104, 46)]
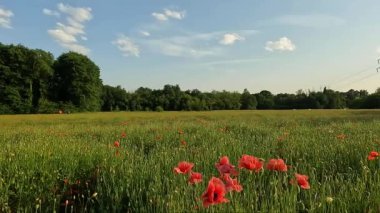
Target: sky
[(276, 45)]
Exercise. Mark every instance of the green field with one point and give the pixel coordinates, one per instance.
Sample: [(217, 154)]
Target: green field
[(69, 163)]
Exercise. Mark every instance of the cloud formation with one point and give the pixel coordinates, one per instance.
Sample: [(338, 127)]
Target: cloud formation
[(127, 46), (69, 33), (283, 44), (5, 18), (169, 14), (231, 38), (195, 45), (50, 12)]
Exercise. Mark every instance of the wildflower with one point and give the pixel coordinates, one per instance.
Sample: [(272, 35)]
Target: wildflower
[(116, 144), (123, 135), (302, 181), (183, 167), (183, 142), (373, 155), (224, 166), (329, 199), (277, 165), (341, 136), (195, 177), (232, 184), (214, 193), (251, 163)]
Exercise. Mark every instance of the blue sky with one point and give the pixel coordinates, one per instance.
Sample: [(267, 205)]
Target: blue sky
[(278, 45)]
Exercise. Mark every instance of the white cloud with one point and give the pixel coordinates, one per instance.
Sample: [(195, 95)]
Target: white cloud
[(145, 33), (160, 16), (192, 44), (283, 44), (76, 48), (231, 38), (127, 46), (62, 36), (5, 18), (69, 34), (174, 14), (167, 14), (50, 12), (79, 14)]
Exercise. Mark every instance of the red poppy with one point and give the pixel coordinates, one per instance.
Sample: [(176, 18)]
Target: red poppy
[(251, 163), (277, 165), (224, 166), (302, 181), (116, 144), (232, 184), (123, 135), (183, 142), (195, 177), (183, 167), (214, 193), (341, 136), (373, 155)]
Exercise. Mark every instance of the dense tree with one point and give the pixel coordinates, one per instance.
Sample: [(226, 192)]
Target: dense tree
[(76, 81), (24, 74), (248, 100)]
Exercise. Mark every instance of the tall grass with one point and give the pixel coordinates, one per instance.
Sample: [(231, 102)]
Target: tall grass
[(68, 163)]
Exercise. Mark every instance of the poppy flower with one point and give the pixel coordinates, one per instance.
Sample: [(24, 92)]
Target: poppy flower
[(183, 142), (232, 184), (116, 144), (224, 166), (341, 136), (373, 155), (195, 177), (214, 193), (302, 181), (251, 163), (123, 135), (183, 167), (277, 165)]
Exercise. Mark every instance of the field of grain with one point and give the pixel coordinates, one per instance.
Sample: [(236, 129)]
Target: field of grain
[(124, 161)]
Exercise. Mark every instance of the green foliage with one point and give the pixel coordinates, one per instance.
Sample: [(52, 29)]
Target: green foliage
[(77, 80), (247, 100)]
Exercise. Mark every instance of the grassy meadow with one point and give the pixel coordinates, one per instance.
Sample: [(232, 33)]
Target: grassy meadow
[(69, 162)]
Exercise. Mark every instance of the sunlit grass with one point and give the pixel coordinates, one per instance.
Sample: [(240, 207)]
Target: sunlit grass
[(44, 158)]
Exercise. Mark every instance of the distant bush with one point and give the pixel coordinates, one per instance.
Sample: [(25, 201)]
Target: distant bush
[(159, 109)]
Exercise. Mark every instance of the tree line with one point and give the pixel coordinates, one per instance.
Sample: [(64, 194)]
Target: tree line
[(33, 81)]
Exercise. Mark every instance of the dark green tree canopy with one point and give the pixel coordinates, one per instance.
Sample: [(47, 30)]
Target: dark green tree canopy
[(76, 80)]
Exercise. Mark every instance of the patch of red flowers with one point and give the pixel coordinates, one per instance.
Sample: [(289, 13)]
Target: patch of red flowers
[(251, 163), (195, 177), (224, 167), (373, 155), (232, 184), (116, 144), (302, 181), (183, 167), (214, 193), (277, 165)]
